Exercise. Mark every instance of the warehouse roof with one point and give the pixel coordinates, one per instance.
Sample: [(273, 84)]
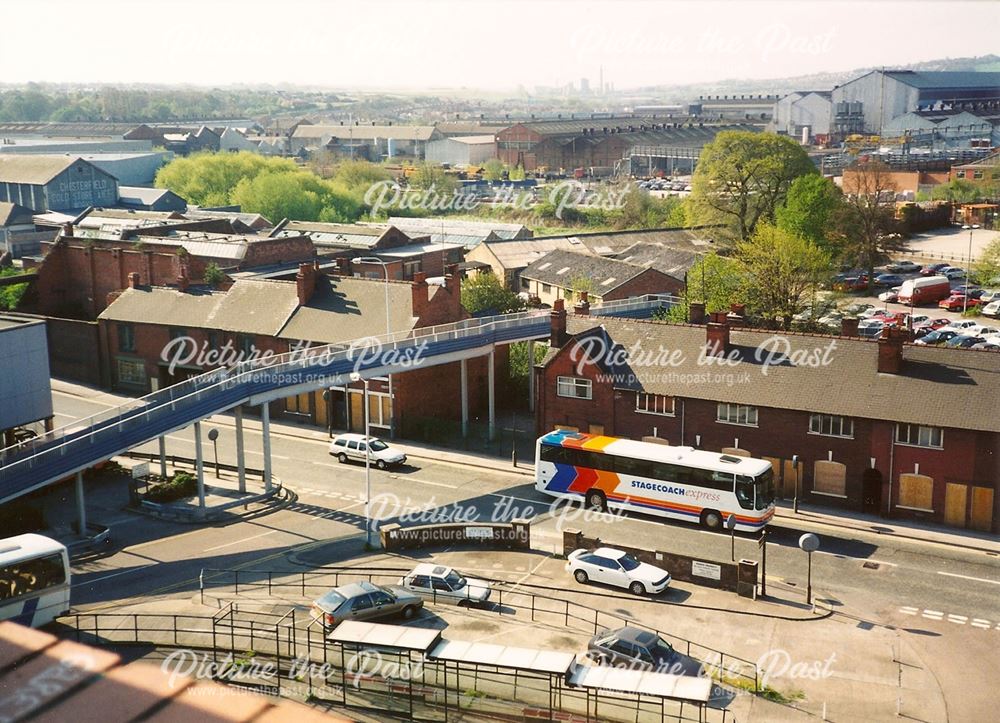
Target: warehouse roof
[(34, 169), (12, 214), (366, 132), (671, 261), (946, 79)]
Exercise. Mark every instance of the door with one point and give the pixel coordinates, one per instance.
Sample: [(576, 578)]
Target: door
[(871, 483), (982, 509), (357, 412), (616, 575), (362, 607), (955, 497)]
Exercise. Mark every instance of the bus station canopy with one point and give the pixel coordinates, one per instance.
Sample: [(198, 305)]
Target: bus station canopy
[(378, 635), (502, 656), (685, 688)]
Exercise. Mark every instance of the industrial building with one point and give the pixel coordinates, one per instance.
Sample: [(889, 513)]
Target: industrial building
[(370, 142), (806, 113), (24, 384), (462, 150), (868, 103), (150, 199), (17, 230), (55, 183), (745, 107)]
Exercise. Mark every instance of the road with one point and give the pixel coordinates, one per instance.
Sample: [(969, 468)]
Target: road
[(944, 598)]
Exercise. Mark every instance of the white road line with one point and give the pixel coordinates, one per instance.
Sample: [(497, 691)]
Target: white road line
[(909, 611), (932, 615), (114, 574), (236, 542), (967, 577), (957, 619), (978, 623)]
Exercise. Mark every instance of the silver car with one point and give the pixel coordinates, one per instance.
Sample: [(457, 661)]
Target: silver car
[(365, 601), (441, 584)]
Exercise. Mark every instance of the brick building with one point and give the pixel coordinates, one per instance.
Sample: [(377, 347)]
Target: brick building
[(278, 316), (560, 274), (884, 426)]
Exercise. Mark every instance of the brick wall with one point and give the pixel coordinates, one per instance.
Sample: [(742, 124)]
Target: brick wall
[(265, 252), (649, 281)]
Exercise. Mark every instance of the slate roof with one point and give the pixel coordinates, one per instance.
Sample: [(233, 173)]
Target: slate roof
[(517, 253), (957, 388), (560, 268), (139, 196), (671, 261), (698, 238), (457, 226)]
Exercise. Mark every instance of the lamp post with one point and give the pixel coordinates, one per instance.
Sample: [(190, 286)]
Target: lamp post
[(213, 435), (355, 377), (968, 270), (388, 332), (795, 499), (809, 543)]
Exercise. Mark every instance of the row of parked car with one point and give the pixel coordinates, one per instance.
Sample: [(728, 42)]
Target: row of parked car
[(893, 275), (664, 184)]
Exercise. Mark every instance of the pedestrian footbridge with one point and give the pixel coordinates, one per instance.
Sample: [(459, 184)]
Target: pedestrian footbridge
[(69, 450)]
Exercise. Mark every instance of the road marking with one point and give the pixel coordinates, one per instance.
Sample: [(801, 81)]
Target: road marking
[(114, 574), (236, 542), (909, 611), (980, 623), (967, 577), (932, 615), (957, 619)]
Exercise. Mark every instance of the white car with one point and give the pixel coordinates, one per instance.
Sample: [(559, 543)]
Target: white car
[(960, 325), (356, 446), (438, 583), (890, 295), (870, 327), (992, 309), (618, 568), (982, 330), (989, 296), (952, 272)]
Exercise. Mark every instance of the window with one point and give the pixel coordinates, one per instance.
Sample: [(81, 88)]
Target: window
[(546, 288), (246, 346), (24, 578), (131, 372), (126, 338), (918, 436), (176, 332), (420, 581), (362, 603), (830, 425), (525, 284), (654, 404), (381, 598), (737, 414), (574, 387)]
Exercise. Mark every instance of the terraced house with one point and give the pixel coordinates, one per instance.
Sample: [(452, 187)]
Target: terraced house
[(881, 426)]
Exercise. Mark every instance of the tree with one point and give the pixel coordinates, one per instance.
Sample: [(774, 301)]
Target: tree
[(213, 275), (987, 267), (493, 170), (428, 176), (865, 224), (483, 294), (296, 195), (713, 280), (743, 177), (959, 190), (780, 271), (208, 179), (809, 209)]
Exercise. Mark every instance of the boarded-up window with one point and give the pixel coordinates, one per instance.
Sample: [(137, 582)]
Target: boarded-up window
[(596, 429), (916, 491), (735, 452), (830, 478)]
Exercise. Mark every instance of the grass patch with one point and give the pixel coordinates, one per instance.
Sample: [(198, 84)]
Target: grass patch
[(766, 692)]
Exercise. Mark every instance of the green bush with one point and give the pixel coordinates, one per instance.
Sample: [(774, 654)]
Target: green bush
[(181, 485)]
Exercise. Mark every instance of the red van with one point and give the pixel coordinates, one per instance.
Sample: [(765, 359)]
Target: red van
[(928, 290)]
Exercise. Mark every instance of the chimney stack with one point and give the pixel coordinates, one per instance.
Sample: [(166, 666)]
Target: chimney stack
[(582, 307), (133, 280), (849, 326), (557, 322), (343, 266), (890, 350), (737, 315), (305, 283), (696, 312), (420, 293), (717, 334)]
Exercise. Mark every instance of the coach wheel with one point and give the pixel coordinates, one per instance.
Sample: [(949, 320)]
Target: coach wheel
[(342, 458), (711, 519), (595, 501)]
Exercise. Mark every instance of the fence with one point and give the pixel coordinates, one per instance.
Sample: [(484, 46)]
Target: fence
[(541, 608)]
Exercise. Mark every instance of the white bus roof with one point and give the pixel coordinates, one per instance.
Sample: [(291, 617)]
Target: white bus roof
[(687, 455), (24, 547)]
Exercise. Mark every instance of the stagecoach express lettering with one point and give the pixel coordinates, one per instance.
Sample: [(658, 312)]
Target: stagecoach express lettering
[(701, 495)]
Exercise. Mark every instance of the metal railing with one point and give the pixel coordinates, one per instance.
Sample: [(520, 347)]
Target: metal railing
[(509, 599)]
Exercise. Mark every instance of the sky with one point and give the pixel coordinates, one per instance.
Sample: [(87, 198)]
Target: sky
[(488, 44)]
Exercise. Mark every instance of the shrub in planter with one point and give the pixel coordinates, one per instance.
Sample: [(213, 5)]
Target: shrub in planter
[(181, 485)]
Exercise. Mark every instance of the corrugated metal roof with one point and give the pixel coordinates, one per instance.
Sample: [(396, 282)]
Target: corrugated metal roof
[(504, 656), (946, 79), (400, 637), (365, 132), (517, 254), (34, 169), (446, 226), (13, 214), (660, 685)]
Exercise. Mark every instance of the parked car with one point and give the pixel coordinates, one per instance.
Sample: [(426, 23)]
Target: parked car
[(953, 272), (870, 327), (618, 568), (444, 584), (355, 446), (957, 302), (923, 327), (903, 267), (932, 269), (874, 313), (832, 319), (365, 601), (637, 649), (960, 325), (971, 290), (990, 344), (888, 280), (857, 309), (964, 341), (938, 336), (892, 295), (992, 309), (982, 330), (989, 296)]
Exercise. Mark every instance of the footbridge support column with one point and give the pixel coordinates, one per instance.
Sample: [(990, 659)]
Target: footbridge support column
[(81, 507), (241, 467), (531, 375), (465, 398), (492, 395), (163, 456), (199, 467), (265, 428)]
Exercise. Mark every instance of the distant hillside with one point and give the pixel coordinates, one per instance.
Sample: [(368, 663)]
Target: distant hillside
[(816, 81)]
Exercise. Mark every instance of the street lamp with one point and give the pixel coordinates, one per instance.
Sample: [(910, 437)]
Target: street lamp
[(388, 332), (809, 543), (213, 435), (355, 377), (795, 499), (968, 270)]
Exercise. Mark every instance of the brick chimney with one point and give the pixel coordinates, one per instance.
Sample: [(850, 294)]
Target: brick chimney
[(451, 278), (343, 266), (696, 312), (133, 280), (420, 293), (582, 307), (890, 350), (305, 283), (849, 326), (557, 321), (737, 315), (717, 334)]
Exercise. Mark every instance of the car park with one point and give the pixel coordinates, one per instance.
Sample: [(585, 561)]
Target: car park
[(903, 267), (356, 446), (442, 584), (633, 648), (938, 336), (615, 567), (365, 601)]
